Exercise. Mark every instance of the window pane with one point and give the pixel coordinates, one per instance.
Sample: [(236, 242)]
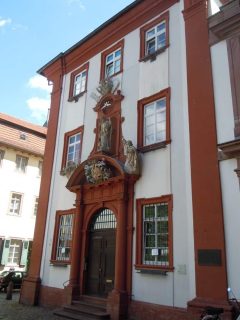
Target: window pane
[(150, 34), (151, 46), (118, 54), (117, 66), (161, 27), (161, 40), (149, 109), (71, 139), (149, 211), (109, 58)]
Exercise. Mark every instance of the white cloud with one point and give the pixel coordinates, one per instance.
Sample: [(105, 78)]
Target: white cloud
[(39, 82), (39, 108), (76, 2), (3, 22)]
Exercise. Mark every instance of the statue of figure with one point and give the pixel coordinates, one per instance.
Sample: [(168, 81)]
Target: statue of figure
[(105, 135), (132, 162)]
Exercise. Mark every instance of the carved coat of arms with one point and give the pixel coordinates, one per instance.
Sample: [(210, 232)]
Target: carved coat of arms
[(96, 171)]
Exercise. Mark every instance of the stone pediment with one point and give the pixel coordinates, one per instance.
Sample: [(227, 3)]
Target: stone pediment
[(96, 170)]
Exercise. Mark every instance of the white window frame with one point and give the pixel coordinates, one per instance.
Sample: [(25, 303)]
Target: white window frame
[(161, 113), (21, 163), (115, 63), (154, 37), (15, 204), (14, 254), (79, 84), (76, 152)]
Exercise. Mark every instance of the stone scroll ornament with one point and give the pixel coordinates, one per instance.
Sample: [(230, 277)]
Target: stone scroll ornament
[(96, 171), (131, 165)]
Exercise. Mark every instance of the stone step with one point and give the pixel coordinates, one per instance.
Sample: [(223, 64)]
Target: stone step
[(68, 315), (92, 308), (93, 300), (84, 303), (87, 309)]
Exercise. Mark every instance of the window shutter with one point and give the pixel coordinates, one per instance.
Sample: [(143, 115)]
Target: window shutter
[(5, 252), (23, 260)]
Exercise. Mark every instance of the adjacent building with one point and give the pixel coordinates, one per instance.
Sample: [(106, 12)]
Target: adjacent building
[(21, 158), (139, 202)]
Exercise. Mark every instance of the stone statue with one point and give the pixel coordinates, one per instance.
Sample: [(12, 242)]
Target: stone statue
[(132, 162), (105, 135)]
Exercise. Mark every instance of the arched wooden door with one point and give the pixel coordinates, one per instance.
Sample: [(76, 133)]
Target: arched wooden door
[(101, 254)]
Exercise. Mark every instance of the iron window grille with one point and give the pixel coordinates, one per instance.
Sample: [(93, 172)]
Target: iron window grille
[(64, 237), (155, 235), (105, 219)]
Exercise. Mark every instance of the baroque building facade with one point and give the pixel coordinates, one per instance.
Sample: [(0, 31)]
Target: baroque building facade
[(21, 158), (135, 209)]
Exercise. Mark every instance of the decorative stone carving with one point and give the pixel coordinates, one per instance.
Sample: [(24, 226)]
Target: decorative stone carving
[(131, 165), (68, 170), (96, 171), (105, 135), (105, 86)]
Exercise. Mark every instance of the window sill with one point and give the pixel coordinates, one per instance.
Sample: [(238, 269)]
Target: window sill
[(76, 98), (113, 75), (153, 56), (147, 269), (155, 146), (56, 263)]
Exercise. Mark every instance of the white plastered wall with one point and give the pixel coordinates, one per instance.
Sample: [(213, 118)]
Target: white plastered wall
[(164, 171), (229, 180), (27, 184)]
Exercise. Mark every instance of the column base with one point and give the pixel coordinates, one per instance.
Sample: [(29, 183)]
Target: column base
[(30, 291), (71, 292), (117, 304), (197, 305)]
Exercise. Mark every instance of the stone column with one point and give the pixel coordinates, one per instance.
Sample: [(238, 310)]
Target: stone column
[(117, 299), (209, 243), (72, 289)]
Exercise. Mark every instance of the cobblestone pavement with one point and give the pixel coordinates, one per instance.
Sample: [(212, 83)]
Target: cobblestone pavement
[(12, 310)]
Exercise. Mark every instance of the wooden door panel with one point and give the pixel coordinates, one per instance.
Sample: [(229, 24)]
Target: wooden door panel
[(94, 264), (101, 262)]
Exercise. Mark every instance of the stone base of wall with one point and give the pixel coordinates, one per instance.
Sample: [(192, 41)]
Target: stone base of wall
[(147, 311), (51, 297)]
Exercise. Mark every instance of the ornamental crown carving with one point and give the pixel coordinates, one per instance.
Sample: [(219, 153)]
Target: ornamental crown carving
[(96, 171), (105, 87)]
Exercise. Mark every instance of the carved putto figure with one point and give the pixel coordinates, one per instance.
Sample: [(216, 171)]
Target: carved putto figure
[(105, 135), (96, 171), (131, 165)]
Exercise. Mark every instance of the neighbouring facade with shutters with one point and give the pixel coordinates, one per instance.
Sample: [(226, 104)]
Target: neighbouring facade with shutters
[(139, 202), (21, 157)]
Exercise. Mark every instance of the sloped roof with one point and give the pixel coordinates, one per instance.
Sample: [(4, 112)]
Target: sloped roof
[(22, 135)]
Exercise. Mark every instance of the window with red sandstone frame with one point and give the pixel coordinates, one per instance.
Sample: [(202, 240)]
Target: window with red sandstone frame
[(62, 240), (154, 37), (154, 233), (112, 60), (78, 83), (154, 121), (72, 147)]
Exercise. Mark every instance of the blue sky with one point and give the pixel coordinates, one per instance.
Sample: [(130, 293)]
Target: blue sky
[(32, 32)]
